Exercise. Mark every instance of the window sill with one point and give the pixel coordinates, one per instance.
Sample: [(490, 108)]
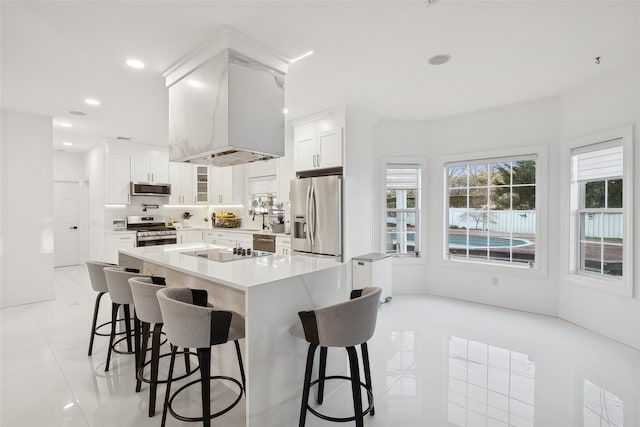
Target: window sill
[(494, 267), (408, 260)]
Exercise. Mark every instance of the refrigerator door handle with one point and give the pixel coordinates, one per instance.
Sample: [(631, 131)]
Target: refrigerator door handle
[(313, 210), (307, 213)]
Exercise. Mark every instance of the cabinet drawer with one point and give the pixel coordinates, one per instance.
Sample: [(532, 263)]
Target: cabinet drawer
[(283, 241)]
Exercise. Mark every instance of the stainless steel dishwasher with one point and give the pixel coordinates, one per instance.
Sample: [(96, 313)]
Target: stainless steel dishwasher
[(264, 242)]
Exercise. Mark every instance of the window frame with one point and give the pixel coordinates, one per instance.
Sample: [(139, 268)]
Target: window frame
[(622, 286), (540, 153), (421, 163)]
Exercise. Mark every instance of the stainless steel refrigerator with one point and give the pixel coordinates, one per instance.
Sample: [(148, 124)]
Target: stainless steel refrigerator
[(316, 213)]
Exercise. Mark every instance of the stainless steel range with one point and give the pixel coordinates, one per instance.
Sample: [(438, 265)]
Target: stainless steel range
[(151, 230)]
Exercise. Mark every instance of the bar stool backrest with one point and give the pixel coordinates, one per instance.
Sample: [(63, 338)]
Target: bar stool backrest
[(186, 325), (348, 323), (118, 284), (145, 299), (96, 275)]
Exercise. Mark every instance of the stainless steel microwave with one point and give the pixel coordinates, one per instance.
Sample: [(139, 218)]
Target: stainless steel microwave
[(150, 189)]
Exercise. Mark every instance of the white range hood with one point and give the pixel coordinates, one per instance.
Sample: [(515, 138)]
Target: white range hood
[(226, 103)]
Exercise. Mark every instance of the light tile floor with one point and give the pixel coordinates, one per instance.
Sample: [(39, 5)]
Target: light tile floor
[(435, 361)]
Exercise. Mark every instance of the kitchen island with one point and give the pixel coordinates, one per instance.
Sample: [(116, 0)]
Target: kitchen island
[(269, 291)]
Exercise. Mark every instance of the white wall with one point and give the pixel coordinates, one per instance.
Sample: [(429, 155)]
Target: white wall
[(611, 101), (522, 125), (27, 209)]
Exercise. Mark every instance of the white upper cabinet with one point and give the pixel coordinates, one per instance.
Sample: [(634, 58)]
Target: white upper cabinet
[(221, 186), (202, 184), (318, 144), (148, 170), (117, 179), (182, 178)]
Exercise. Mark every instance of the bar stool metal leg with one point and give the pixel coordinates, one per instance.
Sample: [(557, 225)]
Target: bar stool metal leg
[(204, 357), (307, 384), (367, 375), (96, 308), (114, 316), (355, 385), (155, 359), (322, 373), (244, 386), (143, 352), (127, 316), (174, 350)]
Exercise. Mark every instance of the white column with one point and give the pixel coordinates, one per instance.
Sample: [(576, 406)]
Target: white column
[(26, 209)]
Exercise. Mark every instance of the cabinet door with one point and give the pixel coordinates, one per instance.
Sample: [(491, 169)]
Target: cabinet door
[(330, 149), (114, 242), (188, 184), (117, 179), (305, 152), (202, 184), (195, 236), (181, 236), (175, 179), (221, 186), (140, 170), (159, 171)]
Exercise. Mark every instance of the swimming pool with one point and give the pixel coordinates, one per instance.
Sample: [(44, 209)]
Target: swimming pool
[(460, 241)]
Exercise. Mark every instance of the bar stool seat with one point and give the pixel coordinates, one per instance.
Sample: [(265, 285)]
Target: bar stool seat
[(99, 284), (346, 325), (120, 292), (189, 323)]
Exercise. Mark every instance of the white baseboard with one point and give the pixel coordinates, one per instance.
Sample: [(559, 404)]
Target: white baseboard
[(29, 299), (601, 328)]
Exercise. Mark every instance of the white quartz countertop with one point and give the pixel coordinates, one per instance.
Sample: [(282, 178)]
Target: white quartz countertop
[(240, 274)]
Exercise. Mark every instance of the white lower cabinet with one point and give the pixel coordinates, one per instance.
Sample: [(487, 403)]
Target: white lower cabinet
[(189, 236), (283, 245), (115, 241)]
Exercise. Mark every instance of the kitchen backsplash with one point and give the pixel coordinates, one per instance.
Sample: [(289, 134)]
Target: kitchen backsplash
[(199, 213)]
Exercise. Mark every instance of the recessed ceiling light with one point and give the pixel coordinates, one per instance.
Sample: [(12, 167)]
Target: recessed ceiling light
[(135, 63), (439, 59), (66, 125), (304, 55), (285, 110), (91, 101), (68, 144), (77, 113)]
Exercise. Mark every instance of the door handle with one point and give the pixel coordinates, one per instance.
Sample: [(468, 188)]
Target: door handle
[(75, 227)]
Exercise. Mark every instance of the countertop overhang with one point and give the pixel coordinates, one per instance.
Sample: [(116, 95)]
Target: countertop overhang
[(240, 274)]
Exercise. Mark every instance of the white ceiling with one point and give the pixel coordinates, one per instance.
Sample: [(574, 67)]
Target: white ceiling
[(369, 54)]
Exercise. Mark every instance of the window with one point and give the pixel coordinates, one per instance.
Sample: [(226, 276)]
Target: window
[(602, 210), (491, 210), (262, 194), (402, 209), (599, 177)]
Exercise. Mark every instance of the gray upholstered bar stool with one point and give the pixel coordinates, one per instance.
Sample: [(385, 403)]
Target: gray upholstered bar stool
[(148, 311), (120, 293), (189, 323), (99, 284), (347, 325)]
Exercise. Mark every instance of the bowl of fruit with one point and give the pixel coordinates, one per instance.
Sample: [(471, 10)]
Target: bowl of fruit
[(224, 219)]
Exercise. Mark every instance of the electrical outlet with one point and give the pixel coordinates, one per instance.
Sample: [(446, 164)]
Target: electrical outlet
[(494, 281)]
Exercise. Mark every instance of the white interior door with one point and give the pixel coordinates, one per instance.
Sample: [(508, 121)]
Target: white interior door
[(66, 207)]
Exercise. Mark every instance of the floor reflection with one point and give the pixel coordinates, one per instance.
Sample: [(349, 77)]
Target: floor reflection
[(600, 407), (488, 385)]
